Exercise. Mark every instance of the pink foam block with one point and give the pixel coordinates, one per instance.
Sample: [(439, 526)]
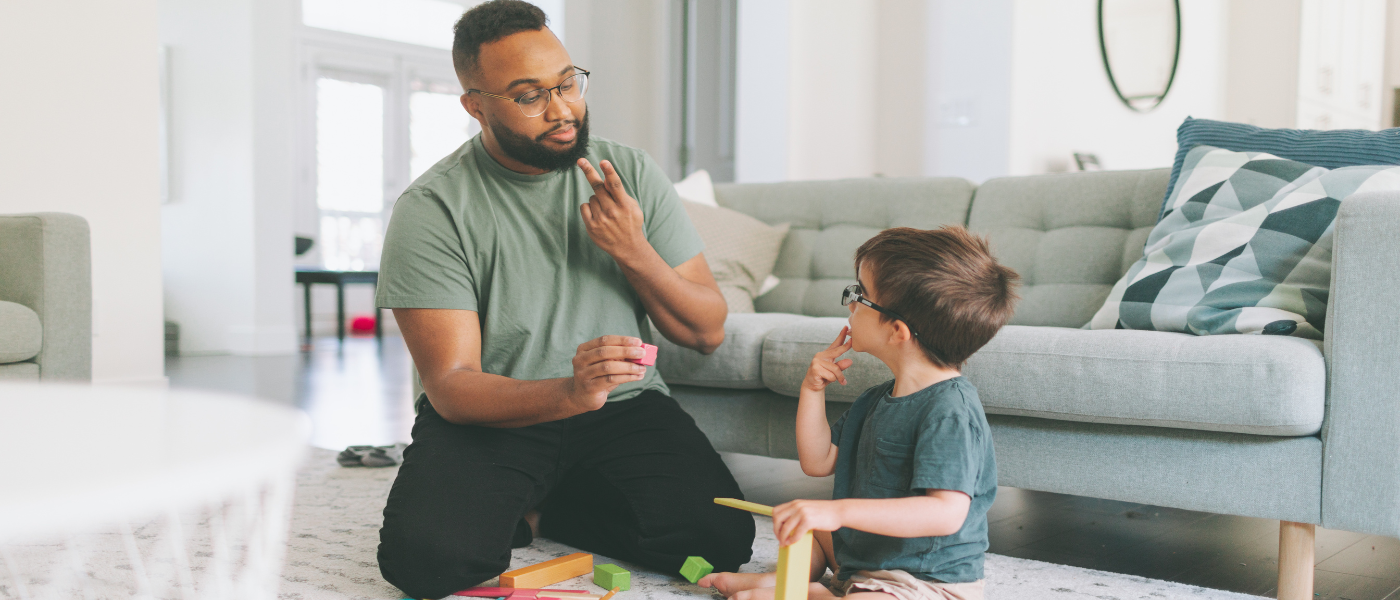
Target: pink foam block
[(649, 359)]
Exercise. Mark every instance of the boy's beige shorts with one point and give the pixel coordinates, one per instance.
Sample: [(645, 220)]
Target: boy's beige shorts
[(904, 586)]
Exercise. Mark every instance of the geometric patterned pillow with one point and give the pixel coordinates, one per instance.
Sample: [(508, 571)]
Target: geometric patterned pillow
[(1244, 246)]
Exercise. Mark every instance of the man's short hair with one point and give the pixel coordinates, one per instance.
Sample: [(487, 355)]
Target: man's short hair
[(486, 23), (946, 285)]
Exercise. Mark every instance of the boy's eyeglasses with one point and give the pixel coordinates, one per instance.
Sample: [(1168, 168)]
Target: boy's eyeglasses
[(854, 293)]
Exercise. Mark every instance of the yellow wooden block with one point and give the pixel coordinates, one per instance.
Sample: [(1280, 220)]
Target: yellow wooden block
[(794, 568), (549, 572), (752, 507)]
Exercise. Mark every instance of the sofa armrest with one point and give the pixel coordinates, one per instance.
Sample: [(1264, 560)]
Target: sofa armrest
[(1361, 430), (46, 265)]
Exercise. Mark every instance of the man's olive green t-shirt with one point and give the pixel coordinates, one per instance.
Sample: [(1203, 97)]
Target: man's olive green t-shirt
[(470, 234)]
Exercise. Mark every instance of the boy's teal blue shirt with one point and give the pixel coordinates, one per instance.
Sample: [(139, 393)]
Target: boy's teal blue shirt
[(936, 438)]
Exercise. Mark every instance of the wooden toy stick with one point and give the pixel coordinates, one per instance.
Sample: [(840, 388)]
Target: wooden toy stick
[(611, 594), (549, 572), (567, 595), (752, 507), (794, 567), (498, 592)]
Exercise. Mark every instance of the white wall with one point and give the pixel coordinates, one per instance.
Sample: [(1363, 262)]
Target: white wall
[(625, 44), (79, 116), (1392, 65), (227, 232), (761, 91), (1262, 72), (831, 89), (1062, 102), (968, 99), (900, 94)]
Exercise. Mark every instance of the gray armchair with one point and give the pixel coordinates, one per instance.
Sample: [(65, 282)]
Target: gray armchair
[(45, 298)]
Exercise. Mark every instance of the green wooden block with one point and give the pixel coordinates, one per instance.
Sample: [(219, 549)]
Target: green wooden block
[(612, 576), (695, 568)]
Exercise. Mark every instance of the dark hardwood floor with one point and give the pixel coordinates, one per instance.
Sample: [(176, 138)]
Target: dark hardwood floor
[(358, 393)]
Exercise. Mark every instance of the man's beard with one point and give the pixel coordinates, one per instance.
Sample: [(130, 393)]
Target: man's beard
[(535, 153)]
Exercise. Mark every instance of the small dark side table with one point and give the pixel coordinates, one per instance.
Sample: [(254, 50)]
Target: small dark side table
[(306, 277)]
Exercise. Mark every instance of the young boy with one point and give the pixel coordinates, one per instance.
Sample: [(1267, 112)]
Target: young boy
[(915, 471)]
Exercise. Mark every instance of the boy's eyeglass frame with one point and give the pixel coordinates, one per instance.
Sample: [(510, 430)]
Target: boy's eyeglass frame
[(853, 293)]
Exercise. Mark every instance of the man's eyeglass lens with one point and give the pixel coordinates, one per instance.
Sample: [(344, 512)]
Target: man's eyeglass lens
[(533, 104)]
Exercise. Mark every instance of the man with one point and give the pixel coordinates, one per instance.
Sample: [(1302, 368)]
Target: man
[(522, 275)]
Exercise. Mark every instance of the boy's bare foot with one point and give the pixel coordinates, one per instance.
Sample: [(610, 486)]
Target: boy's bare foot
[(730, 584)]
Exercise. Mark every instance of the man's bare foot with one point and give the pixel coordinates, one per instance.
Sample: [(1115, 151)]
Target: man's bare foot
[(532, 518), (733, 583)]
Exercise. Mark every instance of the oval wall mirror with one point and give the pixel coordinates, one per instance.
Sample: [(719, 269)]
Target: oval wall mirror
[(1141, 42)]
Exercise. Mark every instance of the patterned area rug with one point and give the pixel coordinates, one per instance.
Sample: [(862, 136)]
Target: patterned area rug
[(335, 531)]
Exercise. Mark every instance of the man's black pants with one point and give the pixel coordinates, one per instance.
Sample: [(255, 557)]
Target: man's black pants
[(634, 480)]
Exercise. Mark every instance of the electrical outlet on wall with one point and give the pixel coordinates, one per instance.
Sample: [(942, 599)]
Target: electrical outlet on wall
[(957, 111)]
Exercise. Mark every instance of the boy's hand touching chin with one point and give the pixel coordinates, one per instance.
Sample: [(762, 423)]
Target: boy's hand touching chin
[(795, 518), (825, 369)]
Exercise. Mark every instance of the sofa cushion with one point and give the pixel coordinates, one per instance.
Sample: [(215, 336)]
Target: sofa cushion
[(735, 364), (830, 219), (21, 371), (1264, 385), (21, 336), (1070, 236)]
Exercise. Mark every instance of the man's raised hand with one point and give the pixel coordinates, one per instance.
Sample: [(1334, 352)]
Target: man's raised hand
[(613, 218), (825, 369), (600, 365)]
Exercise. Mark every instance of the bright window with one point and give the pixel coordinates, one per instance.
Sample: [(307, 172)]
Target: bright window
[(349, 146), (438, 125), (377, 113)]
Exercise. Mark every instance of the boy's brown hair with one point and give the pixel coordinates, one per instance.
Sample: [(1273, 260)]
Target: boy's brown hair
[(945, 284)]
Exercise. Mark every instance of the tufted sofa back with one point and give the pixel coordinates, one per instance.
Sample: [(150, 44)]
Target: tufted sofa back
[(1069, 235), (829, 219)]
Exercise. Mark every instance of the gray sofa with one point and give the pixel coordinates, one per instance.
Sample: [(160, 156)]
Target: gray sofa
[(1261, 426), (45, 298)]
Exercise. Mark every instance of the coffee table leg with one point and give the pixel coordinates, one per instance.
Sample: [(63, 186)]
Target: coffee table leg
[(306, 292), (340, 310)]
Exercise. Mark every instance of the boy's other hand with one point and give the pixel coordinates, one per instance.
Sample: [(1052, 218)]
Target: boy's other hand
[(825, 368), (795, 518)]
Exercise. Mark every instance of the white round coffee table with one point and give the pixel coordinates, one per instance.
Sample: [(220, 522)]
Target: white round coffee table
[(89, 459)]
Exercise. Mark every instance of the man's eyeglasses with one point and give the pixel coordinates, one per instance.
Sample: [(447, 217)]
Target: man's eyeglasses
[(854, 293), (534, 102)]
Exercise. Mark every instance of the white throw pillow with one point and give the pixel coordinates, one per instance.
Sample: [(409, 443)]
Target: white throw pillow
[(768, 285), (697, 188), (740, 249)]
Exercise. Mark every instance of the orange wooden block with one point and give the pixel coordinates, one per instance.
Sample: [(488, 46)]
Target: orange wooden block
[(549, 572)]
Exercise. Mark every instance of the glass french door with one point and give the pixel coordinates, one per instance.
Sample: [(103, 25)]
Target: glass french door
[(376, 121)]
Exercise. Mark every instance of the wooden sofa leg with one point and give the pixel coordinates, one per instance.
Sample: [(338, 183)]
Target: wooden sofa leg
[(1295, 560)]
